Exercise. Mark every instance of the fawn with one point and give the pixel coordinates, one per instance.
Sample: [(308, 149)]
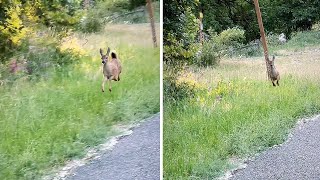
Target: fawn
[(111, 68), (274, 74)]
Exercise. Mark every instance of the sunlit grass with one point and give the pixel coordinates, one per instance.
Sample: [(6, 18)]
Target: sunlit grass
[(47, 122)]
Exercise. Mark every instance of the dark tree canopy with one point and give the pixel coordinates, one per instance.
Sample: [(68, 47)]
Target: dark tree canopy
[(278, 16)]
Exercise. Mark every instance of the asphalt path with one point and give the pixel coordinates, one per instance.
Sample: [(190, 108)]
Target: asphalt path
[(296, 159), (134, 157)]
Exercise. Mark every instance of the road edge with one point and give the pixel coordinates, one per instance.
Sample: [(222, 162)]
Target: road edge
[(93, 153), (242, 163)]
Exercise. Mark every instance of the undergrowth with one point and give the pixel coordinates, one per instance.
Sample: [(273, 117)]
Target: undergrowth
[(234, 119)]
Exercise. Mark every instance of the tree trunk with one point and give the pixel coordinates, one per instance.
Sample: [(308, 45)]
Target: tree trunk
[(263, 37), (151, 17)]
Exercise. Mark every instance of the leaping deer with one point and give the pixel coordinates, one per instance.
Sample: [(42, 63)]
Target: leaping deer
[(274, 74), (111, 68)]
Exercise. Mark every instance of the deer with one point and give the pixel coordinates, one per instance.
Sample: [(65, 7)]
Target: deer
[(111, 69), (274, 74)]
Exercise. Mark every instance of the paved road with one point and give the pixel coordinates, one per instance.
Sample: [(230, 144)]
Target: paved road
[(135, 157), (298, 158)]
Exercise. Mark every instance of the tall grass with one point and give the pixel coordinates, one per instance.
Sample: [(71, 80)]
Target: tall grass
[(235, 113), (200, 135), (45, 123)]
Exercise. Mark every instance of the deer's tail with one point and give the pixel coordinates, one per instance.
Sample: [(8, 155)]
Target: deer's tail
[(114, 55)]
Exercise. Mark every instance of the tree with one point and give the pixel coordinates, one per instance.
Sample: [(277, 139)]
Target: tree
[(17, 17)]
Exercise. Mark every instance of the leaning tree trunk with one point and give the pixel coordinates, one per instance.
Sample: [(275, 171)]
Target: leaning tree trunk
[(263, 37), (151, 17)]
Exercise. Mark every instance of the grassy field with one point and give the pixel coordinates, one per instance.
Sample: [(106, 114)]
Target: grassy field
[(235, 112), (46, 123)]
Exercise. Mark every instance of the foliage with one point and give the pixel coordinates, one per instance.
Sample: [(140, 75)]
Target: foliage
[(175, 92), (39, 63), (278, 16), (221, 15), (176, 53), (218, 45), (180, 32), (273, 39), (299, 40), (210, 54), (231, 37), (287, 17), (110, 11), (19, 19), (137, 3), (91, 23)]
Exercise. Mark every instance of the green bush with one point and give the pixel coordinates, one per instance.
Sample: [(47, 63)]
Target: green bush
[(39, 63), (137, 3), (251, 50), (230, 37), (230, 42), (210, 54), (91, 24), (174, 92), (181, 45), (273, 39)]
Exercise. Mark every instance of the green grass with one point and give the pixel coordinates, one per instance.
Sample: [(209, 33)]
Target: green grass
[(45, 123), (202, 133)]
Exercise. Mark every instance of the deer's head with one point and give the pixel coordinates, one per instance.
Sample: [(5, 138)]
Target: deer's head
[(272, 62), (104, 57)]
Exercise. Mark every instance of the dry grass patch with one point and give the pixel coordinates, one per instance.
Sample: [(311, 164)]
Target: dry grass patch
[(301, 64)]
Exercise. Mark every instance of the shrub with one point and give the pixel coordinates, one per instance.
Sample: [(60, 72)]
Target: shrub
[(252, 49), (175, 92), (176, 52), (209, 55), (231, 37), (39, 63), (273, 39), (136, 3), (91, 24), (181, 45)]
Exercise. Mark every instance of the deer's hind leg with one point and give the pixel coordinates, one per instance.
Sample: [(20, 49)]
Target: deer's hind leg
[(117, 78), (278, 82)]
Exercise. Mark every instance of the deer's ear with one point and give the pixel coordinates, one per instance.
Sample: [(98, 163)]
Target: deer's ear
[(101, 52), (108, 51)]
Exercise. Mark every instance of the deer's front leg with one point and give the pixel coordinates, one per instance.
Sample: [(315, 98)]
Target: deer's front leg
[(103, 82), (110, 85)]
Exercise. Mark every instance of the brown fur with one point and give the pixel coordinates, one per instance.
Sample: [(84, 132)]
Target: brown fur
[(274, 74), (111, 68)]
